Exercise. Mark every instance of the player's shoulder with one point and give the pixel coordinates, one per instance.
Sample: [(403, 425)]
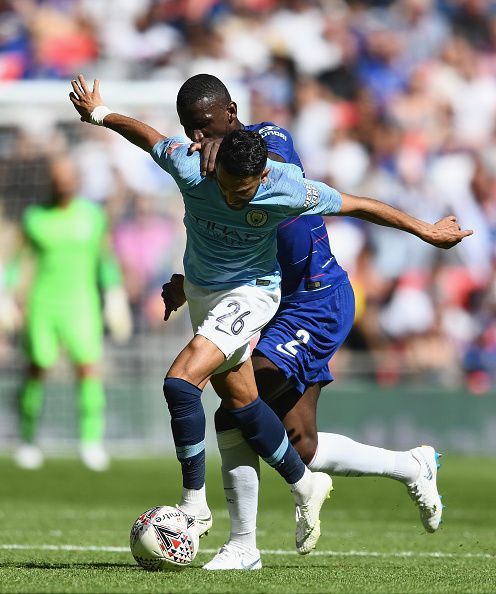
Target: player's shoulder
[(32, 212), (86, 204), (174, 156), (284, 172), (172, 148), (87, 207), (267, 129)]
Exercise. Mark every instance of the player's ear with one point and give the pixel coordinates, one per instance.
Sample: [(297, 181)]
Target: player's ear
[(232, 111), (265, 175)]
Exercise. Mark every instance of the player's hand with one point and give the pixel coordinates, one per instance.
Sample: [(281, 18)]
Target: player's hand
[(446, 233), (117, 314), (11, 316), (173, 295), (208, 148), (84, 99)]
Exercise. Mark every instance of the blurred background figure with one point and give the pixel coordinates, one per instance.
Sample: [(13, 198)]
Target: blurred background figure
[(67, 238), (143, 243)]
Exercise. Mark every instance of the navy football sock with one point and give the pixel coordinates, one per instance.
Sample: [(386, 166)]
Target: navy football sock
[(223, 420), (265, 433), (188, 429)]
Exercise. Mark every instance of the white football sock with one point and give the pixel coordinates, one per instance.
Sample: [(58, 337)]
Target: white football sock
[(340, 455), (241, 477), (303, 488), (194, 502)]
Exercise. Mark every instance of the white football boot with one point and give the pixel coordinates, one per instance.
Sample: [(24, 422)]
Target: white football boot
[(203, 522), (232, 557), (29, 457), (424, 491), (307, 515), (94, 457)]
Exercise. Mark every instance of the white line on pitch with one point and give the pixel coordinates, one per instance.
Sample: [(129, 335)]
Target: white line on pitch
[(353, 553)]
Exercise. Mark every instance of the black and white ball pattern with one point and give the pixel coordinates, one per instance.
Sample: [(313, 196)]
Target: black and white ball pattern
[(164, 538)]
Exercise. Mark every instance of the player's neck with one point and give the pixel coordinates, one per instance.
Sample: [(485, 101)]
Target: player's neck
[(62, 201)]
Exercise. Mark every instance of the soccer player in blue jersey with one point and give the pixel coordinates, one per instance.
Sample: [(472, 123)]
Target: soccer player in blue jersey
[(232, 289), (291, 359)]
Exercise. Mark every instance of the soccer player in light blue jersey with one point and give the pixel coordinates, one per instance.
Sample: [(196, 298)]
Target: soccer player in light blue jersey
[(232, 286), (232, 279)]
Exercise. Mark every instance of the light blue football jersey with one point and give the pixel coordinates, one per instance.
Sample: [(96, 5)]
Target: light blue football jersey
[(227, 248)]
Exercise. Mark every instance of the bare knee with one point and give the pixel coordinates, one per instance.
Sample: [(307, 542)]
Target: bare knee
[(87, 370), (236, 387), (197, 361)]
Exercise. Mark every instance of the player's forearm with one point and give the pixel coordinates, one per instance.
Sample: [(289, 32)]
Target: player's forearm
[(91, 107), (137, 132), (380, 213)]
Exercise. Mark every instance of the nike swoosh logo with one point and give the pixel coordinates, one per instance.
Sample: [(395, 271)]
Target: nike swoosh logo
[(249, 565), (222, 330), (428, 474), (281, 349)]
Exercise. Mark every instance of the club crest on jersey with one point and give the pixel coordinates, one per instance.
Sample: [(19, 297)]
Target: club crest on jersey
[(313, 196), (256, 217)]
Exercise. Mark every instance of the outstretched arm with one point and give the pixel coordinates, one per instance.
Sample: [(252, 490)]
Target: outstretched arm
[(86, 101), (444, 234), (310, 197)]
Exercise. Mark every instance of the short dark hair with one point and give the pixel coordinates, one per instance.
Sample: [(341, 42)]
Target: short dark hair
[(202, 86), (242, 153)]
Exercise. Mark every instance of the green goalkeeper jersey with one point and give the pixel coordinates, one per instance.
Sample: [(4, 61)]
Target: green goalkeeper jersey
[(67, 242)]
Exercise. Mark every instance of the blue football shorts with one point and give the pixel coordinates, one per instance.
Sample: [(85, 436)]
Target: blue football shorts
[(303, 336)]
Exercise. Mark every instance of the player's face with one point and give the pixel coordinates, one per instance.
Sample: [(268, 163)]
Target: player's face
[(238, 191), (205, 119), (63, 178)]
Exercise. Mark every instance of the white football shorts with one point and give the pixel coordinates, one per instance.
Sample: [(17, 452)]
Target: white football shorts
[(230, 318)]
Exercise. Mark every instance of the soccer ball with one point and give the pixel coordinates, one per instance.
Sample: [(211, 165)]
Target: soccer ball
[(164, 538)]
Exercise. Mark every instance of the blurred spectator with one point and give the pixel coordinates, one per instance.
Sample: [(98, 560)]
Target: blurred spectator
[(144, 243)]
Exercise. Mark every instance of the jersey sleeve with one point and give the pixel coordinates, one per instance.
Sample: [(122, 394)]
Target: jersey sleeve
[(172, 155), (278, 141), (307, 197)]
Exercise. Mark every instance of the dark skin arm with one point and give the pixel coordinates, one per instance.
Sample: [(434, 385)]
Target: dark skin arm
[(85, 100)]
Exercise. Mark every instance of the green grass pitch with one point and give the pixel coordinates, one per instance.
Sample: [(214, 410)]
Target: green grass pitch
[(64, 529)]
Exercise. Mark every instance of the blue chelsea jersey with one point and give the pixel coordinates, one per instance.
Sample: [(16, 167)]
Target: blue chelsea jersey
[(308, 268), (226, 248)]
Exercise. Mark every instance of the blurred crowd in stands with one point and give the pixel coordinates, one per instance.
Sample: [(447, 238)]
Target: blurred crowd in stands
[(392, 99)]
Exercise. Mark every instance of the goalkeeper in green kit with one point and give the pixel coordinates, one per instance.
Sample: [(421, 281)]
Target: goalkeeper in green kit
[(67, 238)]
